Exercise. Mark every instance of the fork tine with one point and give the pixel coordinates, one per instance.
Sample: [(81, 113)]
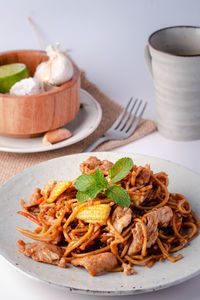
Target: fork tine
[(132, 128), (129, 123), (119, 119), (126, 118)]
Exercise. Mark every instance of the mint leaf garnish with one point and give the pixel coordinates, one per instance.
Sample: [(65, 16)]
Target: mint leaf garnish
[(118, 195), (100, 179), (93, 191), (84, 182), (120, 169), (90, 185), (82, 196)]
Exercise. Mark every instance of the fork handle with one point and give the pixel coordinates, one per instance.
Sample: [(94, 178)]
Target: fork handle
[(96, 143)]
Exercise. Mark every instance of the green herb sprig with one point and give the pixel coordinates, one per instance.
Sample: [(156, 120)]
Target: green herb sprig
[(90, 185)]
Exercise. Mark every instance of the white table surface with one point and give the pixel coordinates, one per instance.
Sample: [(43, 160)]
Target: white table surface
[(18, 286), (110, 50)]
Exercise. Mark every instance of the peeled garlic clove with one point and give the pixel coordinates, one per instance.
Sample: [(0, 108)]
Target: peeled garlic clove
[(27, 86), (43, 72), (55, 136)]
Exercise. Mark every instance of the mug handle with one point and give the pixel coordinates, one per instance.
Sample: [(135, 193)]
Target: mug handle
[(148, 59)]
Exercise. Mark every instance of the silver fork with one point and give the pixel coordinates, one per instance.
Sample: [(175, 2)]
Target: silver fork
[(125, 124)]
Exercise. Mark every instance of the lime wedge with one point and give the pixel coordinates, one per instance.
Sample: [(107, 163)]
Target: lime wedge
[(10, 74)]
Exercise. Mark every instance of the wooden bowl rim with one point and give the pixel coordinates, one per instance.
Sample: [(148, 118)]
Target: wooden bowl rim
[(58, 89)]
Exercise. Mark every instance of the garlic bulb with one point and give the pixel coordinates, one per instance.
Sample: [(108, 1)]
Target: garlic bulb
[(57, 70), (27, 86)]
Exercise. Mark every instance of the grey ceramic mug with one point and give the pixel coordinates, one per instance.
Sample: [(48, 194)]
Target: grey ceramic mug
[(173, 59)]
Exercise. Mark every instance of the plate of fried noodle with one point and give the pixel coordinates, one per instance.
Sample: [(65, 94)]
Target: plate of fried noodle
[(103, 223)]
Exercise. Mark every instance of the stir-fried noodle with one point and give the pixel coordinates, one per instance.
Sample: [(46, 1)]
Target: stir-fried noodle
[(155, 226)]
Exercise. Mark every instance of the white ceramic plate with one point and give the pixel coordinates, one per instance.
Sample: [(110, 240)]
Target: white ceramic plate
[(83, 125), (161, 275)]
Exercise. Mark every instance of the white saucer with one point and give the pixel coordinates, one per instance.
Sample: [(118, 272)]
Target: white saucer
[(83, 125)]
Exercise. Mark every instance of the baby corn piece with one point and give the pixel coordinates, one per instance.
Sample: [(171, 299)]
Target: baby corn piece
[(95, 213), (58, 189)]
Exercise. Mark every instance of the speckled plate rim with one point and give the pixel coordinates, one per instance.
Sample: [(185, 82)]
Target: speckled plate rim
[(72, 140), (101, 155)]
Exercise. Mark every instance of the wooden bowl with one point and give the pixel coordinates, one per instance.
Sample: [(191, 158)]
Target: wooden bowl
[(29, 116)]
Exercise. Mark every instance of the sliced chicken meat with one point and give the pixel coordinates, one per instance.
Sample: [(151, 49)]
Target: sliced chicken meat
[(159, 217), (93, 163), (33, 200), (138, 197), (128, 270), (96, 264), (47, 188), (121, 218), (137, 242), (143, 175), (43, 252), (106, 165)]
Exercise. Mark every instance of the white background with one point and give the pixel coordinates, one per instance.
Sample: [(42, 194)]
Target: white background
[(106, 38)]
